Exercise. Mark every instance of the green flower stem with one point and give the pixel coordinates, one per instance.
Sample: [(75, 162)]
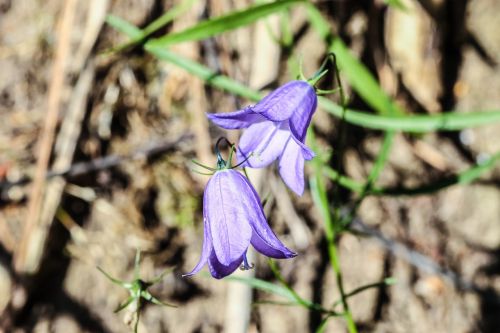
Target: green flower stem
[(321, 200), (385, 282), (298, 299)]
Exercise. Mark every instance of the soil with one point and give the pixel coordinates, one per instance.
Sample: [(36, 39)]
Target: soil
[(136, 123)]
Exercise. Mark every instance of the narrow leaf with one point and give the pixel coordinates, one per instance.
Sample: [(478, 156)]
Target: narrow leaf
[(123, 26), (154, 26), (223, 23), (448, 121), (362, 80), (464, 177), (396, 4), (204, 73), (266, 286)]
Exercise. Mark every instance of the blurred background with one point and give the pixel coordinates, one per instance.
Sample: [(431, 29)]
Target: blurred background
[(95, 162)]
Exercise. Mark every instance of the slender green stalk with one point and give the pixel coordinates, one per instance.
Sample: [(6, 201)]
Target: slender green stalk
[(320, 197), (385, 282), (465, 177)]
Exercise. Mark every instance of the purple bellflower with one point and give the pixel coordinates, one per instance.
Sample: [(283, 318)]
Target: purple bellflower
[(233, 219), (276, 130)]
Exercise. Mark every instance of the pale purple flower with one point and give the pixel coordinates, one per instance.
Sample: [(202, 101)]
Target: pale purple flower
[(233, 219), (276, 129)]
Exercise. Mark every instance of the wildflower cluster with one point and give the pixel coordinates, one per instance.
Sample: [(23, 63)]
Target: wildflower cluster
[(233, 217)]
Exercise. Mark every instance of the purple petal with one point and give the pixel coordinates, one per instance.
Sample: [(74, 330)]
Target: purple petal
[(307, 153), (283, 102), (218, 270), (263, 238), (235, 120), (226, 210), (270, 246), (301, 118), (291, 166), (207, 248), (262, 144)]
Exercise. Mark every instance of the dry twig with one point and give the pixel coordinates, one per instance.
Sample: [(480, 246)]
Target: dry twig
[(22, 260)]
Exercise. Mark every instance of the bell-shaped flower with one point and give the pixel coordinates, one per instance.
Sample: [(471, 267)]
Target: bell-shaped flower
[(233, 219), (276, 130)]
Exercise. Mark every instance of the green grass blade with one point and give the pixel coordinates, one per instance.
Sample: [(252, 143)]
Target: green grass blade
[(362, 80), (448, 121), (382, 157), (204, 73), (123, 26), (396, 4), (223, 23), (266, 286), (318, 22), (169, 16), (278, 290), (464, 177), (358, 75)]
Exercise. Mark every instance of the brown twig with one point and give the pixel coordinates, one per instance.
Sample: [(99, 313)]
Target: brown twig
[(106, 162), (48, 133)]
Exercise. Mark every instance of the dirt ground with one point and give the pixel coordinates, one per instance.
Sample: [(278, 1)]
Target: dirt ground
[(129, 125)]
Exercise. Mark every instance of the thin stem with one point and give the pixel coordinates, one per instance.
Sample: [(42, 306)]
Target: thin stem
[(329, 218), (221, 164), (298, 299), (112, 279), (321, 92), (203, 166), (332, 250), (246, 159), (202, 173), (363, 288)]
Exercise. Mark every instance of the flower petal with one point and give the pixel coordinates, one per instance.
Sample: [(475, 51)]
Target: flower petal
[(218, 270), (263, 238), (282, 103), (291, 166), (262, 143), (235, 120), (226, 210), (270, 246), (301, 118), (307, 153), (207, 248)]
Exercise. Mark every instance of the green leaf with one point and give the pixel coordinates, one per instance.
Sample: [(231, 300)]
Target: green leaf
[(223, 23), (464, 177), (447, 121), (362, 80), (266, 286), (204, 73), (154, 26), (390, 281), (168, 17), (358, 75), (317, 21), (123, 26), (396, 4)]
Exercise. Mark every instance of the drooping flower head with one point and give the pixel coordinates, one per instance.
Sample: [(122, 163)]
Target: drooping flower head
[(233, 219), (276, 130)]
